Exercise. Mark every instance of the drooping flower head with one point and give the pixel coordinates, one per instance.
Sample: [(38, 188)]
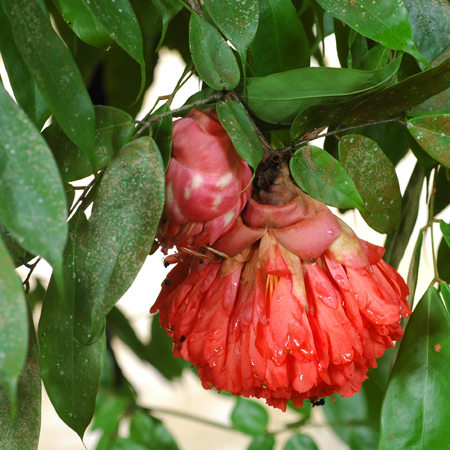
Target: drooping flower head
[(207, 183), (289, 305)]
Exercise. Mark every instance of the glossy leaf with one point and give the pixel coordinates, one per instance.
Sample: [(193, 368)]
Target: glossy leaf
[(443, 257), (249, 417), (83, 23), (71, 370), (301, 442), (413, 271), (279, 24), (397, 241), (13, 325), (329, 182), (234, 119), (375, 178), (445, 228), (23, 433), (433, 134), (25, 90), (113, 129), (122, 226), (278, 98), (213, 58), (385, 21), (168, 10), (237, 20), (262, 442), (162, 134), (32, 200), (54, 71), (430, 22), (401, 96), (415, 408), (120, 22)]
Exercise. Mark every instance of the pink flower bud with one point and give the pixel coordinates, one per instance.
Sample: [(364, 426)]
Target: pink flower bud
[(207, 183)]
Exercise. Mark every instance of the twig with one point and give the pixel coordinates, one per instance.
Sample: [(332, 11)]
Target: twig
[(215, 97), (26, 282), (86, 190)]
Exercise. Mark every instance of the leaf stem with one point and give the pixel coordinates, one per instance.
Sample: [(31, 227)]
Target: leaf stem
[(32, 266)]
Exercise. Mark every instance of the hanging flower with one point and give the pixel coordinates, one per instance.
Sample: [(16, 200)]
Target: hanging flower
[(290, 304), (207, 183)]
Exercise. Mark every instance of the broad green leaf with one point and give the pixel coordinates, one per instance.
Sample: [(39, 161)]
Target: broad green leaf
[(151, 433), (385, 21), (168, 10), (415, 408), (262, 442), (54, 71), (300, 442), (402, 96), (234, 119), (425, 160), (279, 24), (32, 200), (25, 90), (160, 352), (433, 134), (237, 20), (249, 417), (71, 370), (23, 433), (118, 19), (443, 257), (430, 22), (375, 58), (445, 228), (213, 58), (110, 409), (123, 224), (278, 98), (13, 325), (357, 49), (83, 23), (441, 196), (329, 182), (413, 271), (16, 252), (445, 291), (162, 134), (113, 129), (397, 241), (375, 178)]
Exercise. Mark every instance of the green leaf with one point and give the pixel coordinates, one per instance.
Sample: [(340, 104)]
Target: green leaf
[(443, 257), (120, 22), (162, 134), (301, 442), (213, 58), (262, 442), (433, 134), (123, 224), (13, 325), (25, 90), (249, 417), (160, 352), (430, 22), (415, 408), (376, 58), (71, 370), (278, 98), (279, 24), (375, 178), (237, 20), (113, 129), (445, 228), (397, 241), (168, 10), (23, 434), (32, 200), (329, 182), (54, 72), (413, 271), (151, 433), (17, 253), (441, 197), (385, 21), (401, 96), (83, 23), (234, 119), (425, 160)]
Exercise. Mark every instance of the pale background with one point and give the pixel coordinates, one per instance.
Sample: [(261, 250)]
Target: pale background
[(187, 395)]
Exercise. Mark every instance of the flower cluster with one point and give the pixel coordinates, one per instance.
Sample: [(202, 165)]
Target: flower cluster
[(288, 304)]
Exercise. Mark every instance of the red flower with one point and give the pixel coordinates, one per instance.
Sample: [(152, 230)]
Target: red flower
[(289, 305), (206, 183)]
